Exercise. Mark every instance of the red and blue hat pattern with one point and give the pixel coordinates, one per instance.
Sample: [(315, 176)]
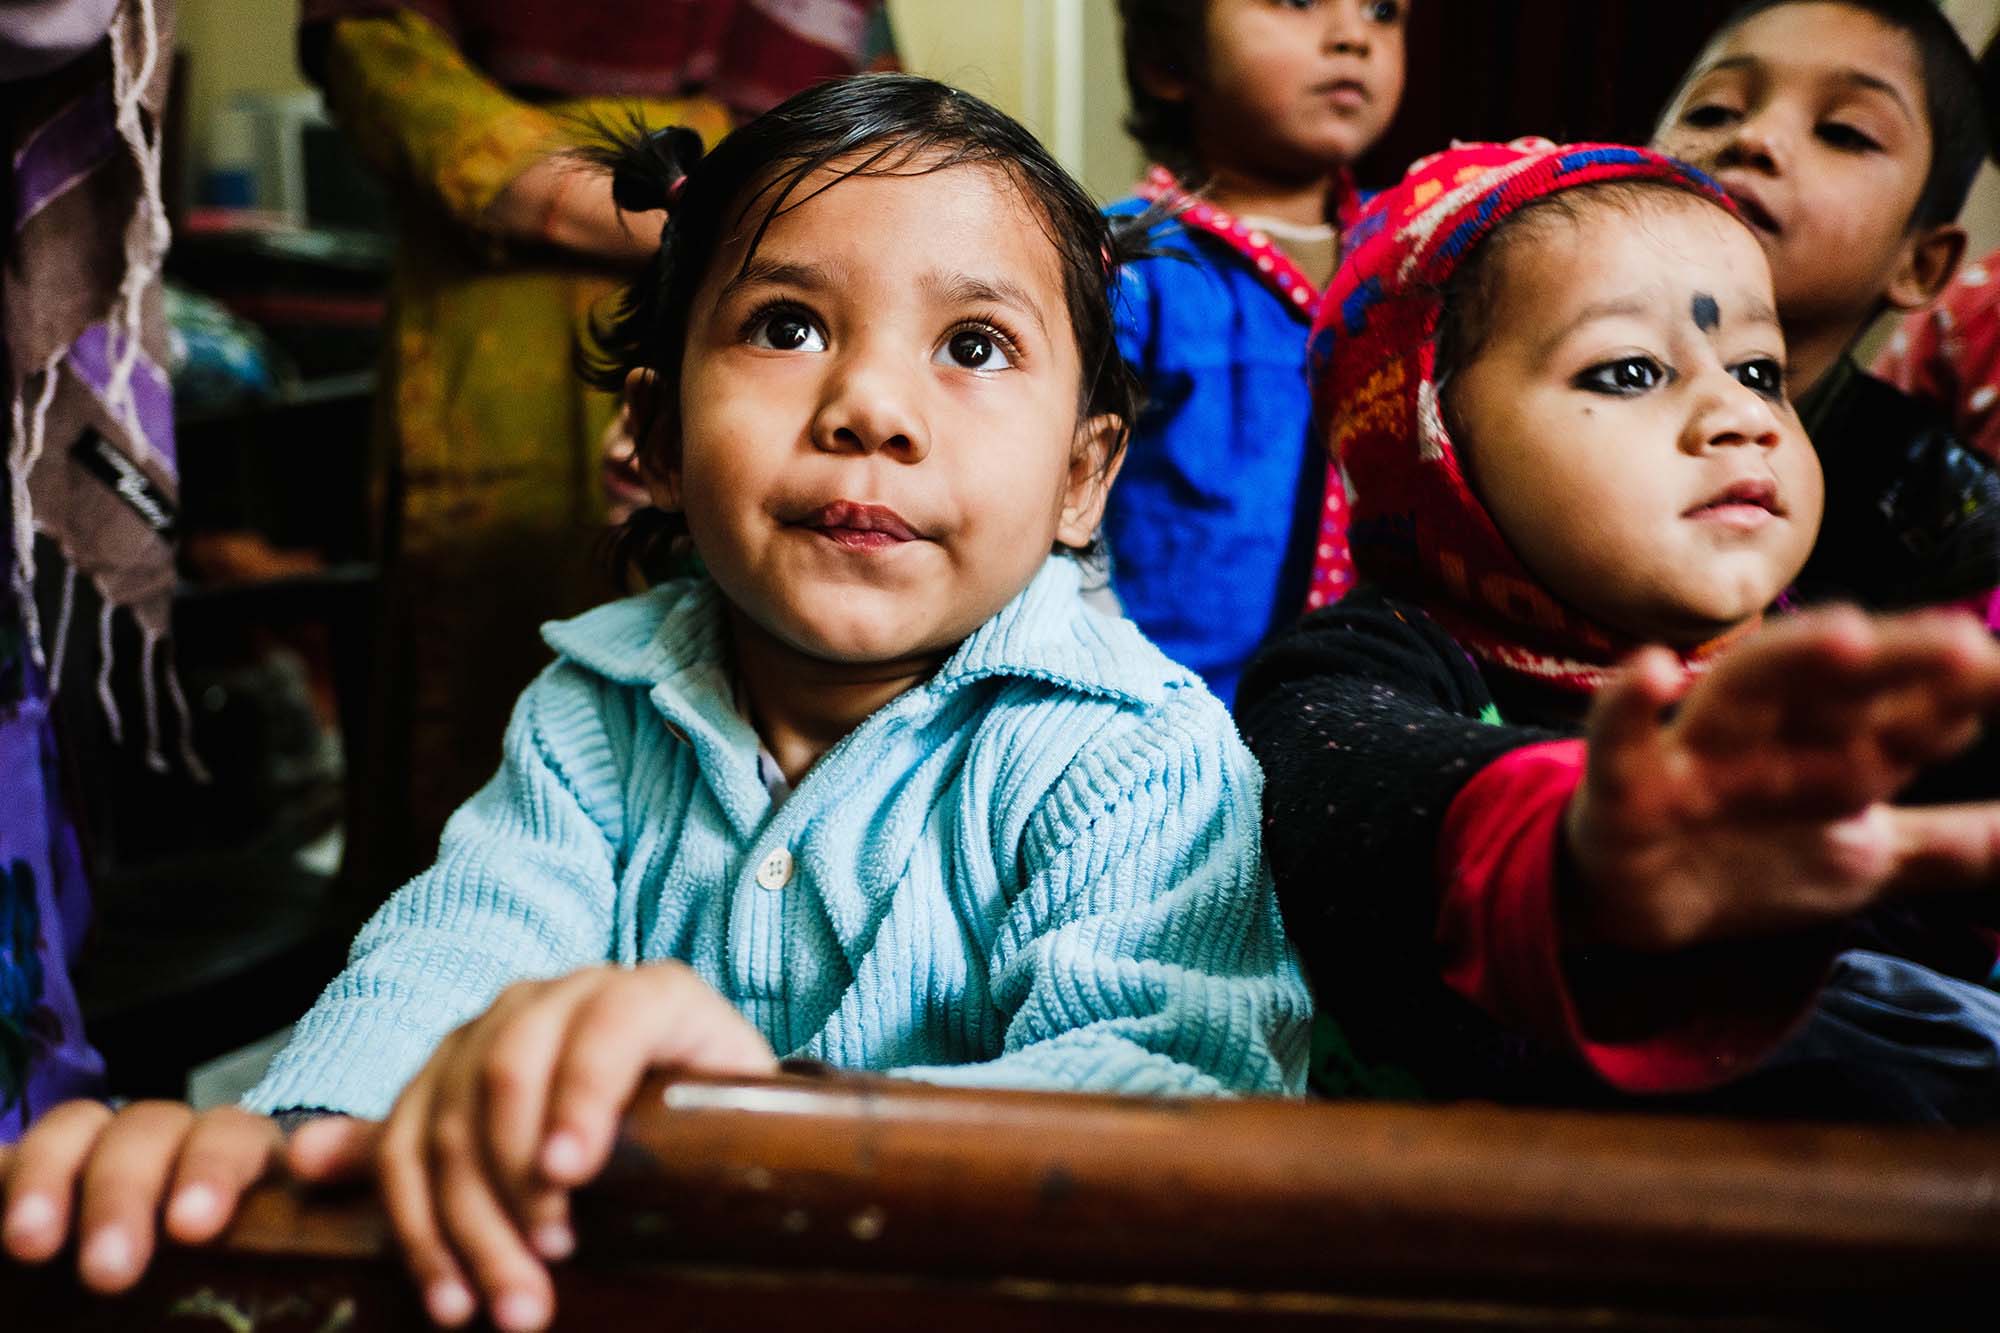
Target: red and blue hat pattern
[(1415, 525)]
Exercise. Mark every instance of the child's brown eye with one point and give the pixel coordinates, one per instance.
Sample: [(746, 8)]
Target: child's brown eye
[(784, 331), (972, 349), (1846, 138), (1385, 11), (1625, 377), (1762, 376), (1708, 117)]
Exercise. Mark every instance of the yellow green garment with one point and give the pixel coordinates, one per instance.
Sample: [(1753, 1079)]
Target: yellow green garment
[(488, 444)]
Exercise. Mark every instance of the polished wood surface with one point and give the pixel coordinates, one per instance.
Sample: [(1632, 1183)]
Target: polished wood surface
[(835, 1202)]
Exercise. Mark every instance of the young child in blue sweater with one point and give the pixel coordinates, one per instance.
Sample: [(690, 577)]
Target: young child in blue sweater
[(877, 789), (1227, 515)]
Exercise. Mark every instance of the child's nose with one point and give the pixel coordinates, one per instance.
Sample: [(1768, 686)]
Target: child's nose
[(1760, 143), (868, 408), (1346, 31), (1734, 414)]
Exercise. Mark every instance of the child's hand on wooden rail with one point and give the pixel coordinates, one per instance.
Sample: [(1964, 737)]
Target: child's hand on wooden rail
[(514, 1110), (104, 1177)]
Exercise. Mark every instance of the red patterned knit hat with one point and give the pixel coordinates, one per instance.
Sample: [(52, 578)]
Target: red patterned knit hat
[(1417, 529)]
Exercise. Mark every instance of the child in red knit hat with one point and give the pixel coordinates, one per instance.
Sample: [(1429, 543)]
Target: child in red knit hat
[(1553, 815)]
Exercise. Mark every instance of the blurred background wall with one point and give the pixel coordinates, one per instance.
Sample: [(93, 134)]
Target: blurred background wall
[(1478, 67)]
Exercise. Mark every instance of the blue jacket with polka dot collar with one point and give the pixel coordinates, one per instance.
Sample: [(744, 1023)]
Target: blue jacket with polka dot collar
[(1039, 869)]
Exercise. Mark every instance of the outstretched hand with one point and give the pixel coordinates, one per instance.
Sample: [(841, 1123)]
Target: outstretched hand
[(1757, 798)]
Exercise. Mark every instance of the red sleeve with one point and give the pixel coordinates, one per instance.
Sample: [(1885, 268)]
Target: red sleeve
[(1642, 1024)]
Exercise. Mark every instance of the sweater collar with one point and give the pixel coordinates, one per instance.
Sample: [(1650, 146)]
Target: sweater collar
[(674, 636), (671, 642)]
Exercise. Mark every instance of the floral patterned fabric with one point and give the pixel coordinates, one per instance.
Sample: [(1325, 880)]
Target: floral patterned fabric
[(1949, 353)]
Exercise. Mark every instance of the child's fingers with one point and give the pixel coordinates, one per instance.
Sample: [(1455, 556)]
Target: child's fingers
[(42, 1175), (333, 1148), (1768, 669), (1811, 680), (544, 1217), (226, 1152), (481, 1229), (1789, 785), (514, 1072), (1625, 722), (606, 1047), (656, 1016), (404, 1171), (1946, 847), (470, 1196), (123, 1184), (1914, 730), (1916, 666)]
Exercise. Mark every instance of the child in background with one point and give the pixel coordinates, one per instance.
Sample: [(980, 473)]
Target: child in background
[(877, 789), (1252, 112), (1848, 133), (1949, 354), (1525, 855)]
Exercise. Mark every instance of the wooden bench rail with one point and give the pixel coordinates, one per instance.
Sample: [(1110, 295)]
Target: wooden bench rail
[(901, 1205)]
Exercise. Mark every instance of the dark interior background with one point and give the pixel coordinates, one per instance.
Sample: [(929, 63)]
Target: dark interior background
[(1566, 69)]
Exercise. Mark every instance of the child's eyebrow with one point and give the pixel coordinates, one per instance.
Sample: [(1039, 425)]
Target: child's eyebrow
[(1751, 311), (1849, 75), (1872, 83), (763, 272), (965, 289), (1619, 307)]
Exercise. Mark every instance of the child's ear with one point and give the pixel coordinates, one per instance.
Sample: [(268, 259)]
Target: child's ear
[(655, 434), (1165, 80), (1093, 466), (1932, 257)]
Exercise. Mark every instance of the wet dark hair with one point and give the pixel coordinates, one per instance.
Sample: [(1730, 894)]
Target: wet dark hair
[(1466, 312), (896, 124), (1163, 37), (1959, 119)]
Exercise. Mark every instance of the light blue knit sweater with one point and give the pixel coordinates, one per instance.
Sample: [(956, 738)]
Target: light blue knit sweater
[(1039, 869)]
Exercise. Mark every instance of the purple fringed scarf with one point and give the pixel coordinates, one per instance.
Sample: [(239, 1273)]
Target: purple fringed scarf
[(90, 468)]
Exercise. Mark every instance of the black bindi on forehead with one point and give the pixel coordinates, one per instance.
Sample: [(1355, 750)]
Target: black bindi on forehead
[(1707, 314)]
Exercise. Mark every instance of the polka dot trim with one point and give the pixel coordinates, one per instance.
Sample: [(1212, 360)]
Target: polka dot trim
[(1333, 563), (1286, 280)]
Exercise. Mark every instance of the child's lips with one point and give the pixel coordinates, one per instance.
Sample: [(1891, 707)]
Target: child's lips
[(1347, 93), (860, 527), (1746, 504), (1754, 210)]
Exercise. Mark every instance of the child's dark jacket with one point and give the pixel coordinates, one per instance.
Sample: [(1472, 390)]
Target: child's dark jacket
[(1413, 809), (1912, 515)]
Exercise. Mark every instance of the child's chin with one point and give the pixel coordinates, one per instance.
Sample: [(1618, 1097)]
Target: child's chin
[(860, 641)]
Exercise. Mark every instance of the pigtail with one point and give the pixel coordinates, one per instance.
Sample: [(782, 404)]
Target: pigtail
[(647, 172), (649, 169)]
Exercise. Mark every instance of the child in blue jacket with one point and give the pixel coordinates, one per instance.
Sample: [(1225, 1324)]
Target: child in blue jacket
[(1228, 520)]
